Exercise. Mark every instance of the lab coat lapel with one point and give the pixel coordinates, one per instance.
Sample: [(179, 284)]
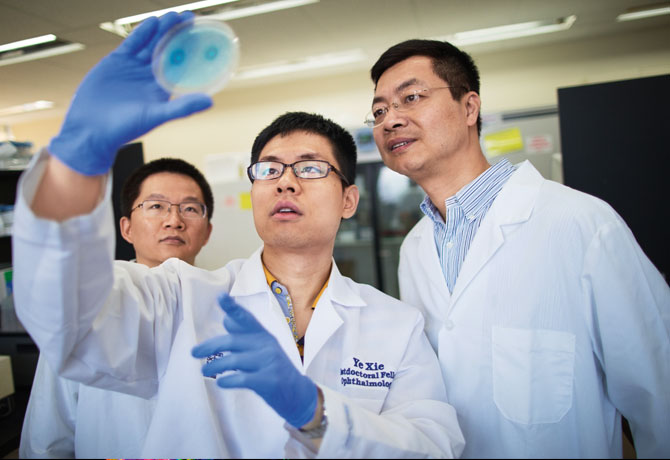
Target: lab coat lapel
[(512, 207), (431, 262), (325, 320), (251, 290)]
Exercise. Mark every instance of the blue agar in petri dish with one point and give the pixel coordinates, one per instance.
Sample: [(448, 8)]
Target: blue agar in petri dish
[(196, 56)]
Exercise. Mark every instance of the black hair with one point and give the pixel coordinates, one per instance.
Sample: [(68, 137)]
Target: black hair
[(131, 187), (452, 65), (344, 147)]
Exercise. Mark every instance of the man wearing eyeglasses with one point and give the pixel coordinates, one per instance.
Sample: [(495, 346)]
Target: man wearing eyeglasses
[(548, 319), (65, 419), (277, 355), (167, 210)]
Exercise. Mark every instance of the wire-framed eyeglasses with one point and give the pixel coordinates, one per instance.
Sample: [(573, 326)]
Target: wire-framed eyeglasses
[(162, 208), (304, 169), (408, 99)]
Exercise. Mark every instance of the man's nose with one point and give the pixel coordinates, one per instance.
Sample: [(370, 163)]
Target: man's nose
[(174, 217), (394, 118), (288, 181)]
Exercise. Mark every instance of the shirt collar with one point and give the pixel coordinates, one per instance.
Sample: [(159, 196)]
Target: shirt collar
[(474, 197), (271, 279)]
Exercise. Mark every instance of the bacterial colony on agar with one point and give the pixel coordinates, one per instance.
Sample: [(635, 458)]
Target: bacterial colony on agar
[(196, 56)]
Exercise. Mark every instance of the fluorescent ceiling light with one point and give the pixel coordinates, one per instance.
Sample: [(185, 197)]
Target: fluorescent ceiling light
[(39, 54), (261, 8), (299, 65), (178, 9), (123, 26), (648, 11), (509, 31), (28, 107), (27, 42)]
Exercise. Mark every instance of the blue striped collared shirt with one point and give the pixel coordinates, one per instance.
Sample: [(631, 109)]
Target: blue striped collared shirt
[(464, 213)]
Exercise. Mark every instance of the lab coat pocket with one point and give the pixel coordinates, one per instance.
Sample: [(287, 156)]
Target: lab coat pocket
[(533, 373)]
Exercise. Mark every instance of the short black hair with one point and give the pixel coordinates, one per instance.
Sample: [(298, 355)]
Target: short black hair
[(344, 147), (131, 187), (454, 66)]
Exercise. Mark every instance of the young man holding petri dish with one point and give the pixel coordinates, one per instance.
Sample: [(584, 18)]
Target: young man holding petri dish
[(277, 355)]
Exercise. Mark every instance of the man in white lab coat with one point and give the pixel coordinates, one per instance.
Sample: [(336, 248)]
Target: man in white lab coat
[(63, 418), (365, 382), (548, 319)]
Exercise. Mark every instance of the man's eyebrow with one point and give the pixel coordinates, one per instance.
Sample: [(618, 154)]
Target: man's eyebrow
[(400, 87), (155, 196), (302, 156), (158, 196)]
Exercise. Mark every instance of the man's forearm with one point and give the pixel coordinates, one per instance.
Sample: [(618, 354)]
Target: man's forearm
[(64, 193)]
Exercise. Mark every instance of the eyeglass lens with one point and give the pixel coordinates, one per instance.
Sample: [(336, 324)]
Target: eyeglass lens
[(305, 169), (188, 209), (406, 101)]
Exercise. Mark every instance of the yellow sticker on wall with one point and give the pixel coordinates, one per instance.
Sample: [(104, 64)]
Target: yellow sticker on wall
[(245, 200), (501, 142)]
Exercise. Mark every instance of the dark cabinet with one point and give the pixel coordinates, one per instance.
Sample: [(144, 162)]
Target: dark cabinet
[(8, 181), (615, 146), (14, 342)]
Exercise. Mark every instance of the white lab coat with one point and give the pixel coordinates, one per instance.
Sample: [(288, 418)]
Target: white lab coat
[(65, 419), (557, 323), (135, 335)]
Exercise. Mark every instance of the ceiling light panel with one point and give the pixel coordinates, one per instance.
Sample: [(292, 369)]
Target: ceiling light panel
[(27, 42), (260, 8), (657, 9), (123, 26), (24, 108), (301, 65), (214, 9), (39, 48), (508, 31)]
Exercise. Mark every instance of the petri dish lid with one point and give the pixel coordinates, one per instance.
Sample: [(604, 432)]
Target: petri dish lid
[(200, 55)]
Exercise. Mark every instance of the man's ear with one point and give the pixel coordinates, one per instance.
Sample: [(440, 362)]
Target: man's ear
[(209, 233), (351, 197), (124, 225), (472, 106)]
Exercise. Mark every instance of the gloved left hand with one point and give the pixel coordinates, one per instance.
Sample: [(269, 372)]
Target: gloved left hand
[(120, 100), (260, 364)]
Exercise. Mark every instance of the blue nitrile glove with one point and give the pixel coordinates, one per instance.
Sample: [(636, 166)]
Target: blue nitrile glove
[(120, 100), (261, 365)]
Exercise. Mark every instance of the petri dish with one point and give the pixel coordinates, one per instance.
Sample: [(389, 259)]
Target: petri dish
[(200, 55)]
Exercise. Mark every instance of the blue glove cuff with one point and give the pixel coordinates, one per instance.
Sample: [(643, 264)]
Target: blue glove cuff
[(76, 150), (303, 415)]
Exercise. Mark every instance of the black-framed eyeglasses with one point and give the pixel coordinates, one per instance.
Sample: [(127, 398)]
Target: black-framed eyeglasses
[(304, 169), (162, 208), (407, 100)]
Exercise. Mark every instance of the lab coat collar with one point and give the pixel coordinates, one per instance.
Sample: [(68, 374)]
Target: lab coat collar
[(326, 320), (431, 260), (513, 206), (516, 200), (251, 280), (341, 291)]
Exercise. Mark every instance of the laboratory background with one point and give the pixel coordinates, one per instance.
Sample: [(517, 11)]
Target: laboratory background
[(580, 88)]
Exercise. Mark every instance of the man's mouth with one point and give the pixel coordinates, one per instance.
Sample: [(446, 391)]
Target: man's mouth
[(399, 144), (285, 209), (172, 240)]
